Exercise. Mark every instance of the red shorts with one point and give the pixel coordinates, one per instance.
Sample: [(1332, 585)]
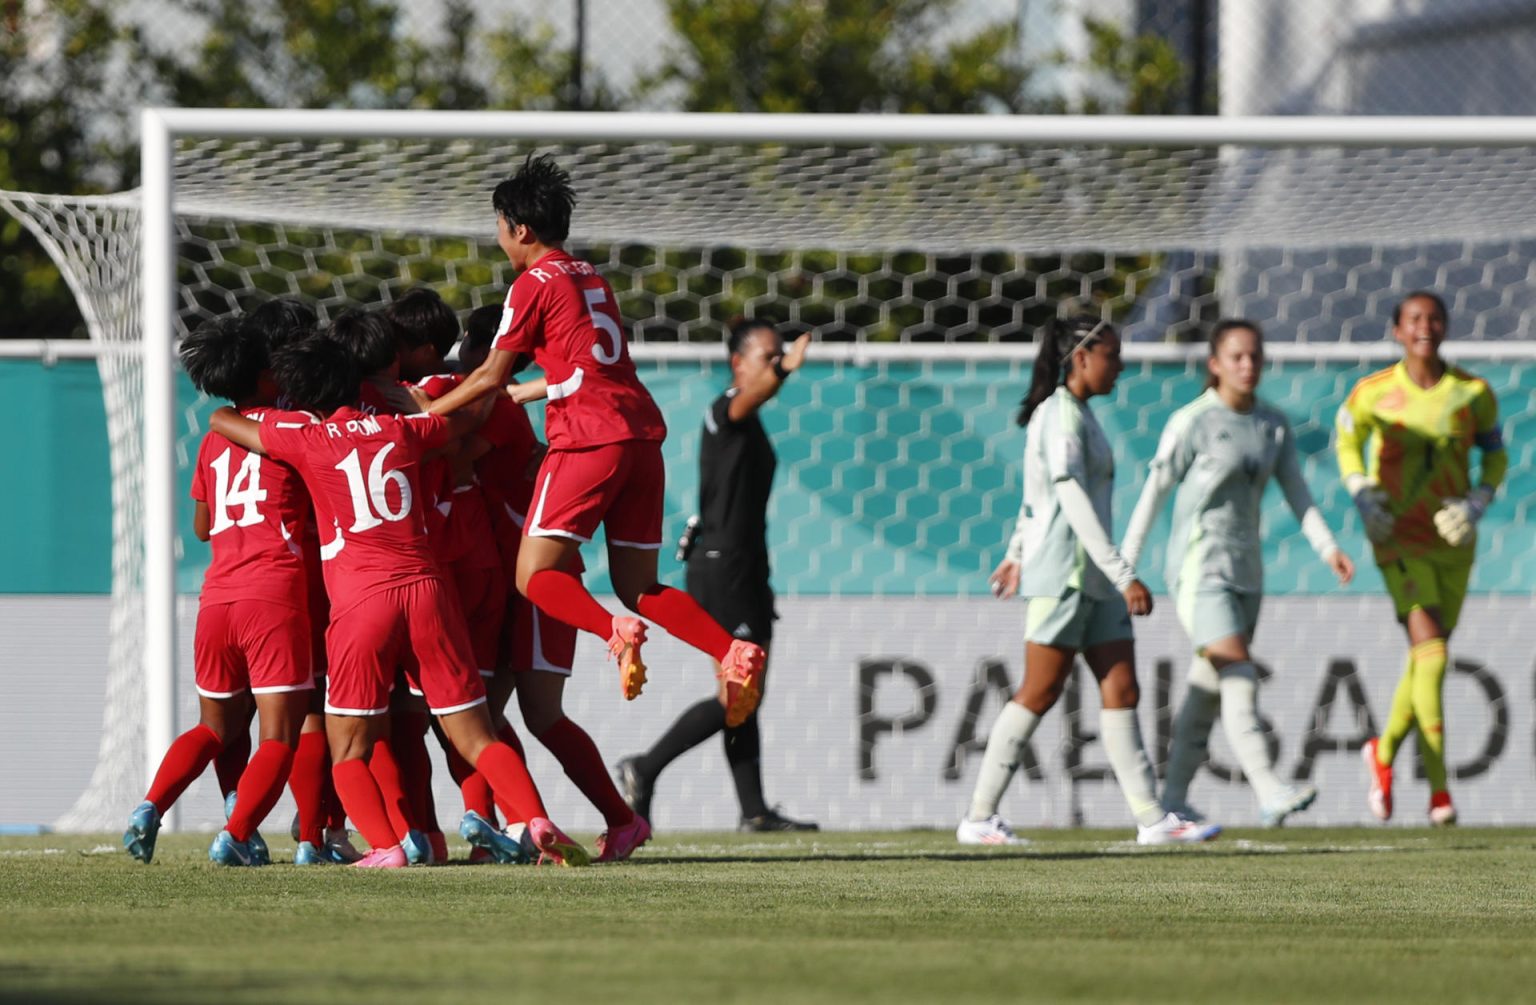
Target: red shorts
[(482, 593), (619, 485), (369, 640), (538, 641), (251, 645)]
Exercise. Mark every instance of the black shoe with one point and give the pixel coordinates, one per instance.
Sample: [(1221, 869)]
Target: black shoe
[(635, 787), (774, 821)]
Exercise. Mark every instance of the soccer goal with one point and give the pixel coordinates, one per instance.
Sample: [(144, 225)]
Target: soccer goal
[(923, 251)]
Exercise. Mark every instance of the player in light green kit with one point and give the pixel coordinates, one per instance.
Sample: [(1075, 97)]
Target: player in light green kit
[(1219, 452), (1081, 592)]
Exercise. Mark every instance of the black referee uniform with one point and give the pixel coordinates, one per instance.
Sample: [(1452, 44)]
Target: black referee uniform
[(728, 563)]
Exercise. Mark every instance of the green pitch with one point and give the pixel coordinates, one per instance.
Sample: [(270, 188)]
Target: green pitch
[(1302, 915)]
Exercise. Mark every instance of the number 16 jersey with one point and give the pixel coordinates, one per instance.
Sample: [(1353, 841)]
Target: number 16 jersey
[(563, 313), (363, 472)]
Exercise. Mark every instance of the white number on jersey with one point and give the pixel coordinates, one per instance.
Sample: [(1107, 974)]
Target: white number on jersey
[(374, 491), (604, 324), (245, 492)]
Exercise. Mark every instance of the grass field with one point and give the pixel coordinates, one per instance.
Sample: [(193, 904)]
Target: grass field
[(1307, 914)]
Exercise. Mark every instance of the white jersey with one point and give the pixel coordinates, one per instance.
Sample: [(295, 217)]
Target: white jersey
[(1065, 442), (1221, 460)]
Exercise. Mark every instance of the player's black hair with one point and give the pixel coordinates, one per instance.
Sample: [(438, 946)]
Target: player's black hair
[(540, 197), (224, 358), (480, 327), (739, 329), (1219, 334), (1059, 338), (369, 336), (1397, 312), (282, 320), (317, 374), (480, 331), (421, 317)]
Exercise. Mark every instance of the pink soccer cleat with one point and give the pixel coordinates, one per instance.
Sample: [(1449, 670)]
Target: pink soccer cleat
[(618, 843), (628, 636), (555, 846), (742, 672), (392, 857)]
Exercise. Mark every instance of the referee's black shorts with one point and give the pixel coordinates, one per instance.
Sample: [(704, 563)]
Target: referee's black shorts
[(734, 590)]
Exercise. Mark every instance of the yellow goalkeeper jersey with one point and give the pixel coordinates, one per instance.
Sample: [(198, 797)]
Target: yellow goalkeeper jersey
[(1416, 443)]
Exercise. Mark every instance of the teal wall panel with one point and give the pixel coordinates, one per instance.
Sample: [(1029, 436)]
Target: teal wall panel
[(896, 478)]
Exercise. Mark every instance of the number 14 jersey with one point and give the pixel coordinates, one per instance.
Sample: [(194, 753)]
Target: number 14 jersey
[(363, 472), (563, 313), (257, 509)]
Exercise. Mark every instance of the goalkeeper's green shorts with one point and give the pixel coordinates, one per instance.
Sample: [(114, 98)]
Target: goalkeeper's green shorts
[(1430, 583)]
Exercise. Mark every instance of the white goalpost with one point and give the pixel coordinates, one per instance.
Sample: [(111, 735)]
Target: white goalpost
[(934, 241)]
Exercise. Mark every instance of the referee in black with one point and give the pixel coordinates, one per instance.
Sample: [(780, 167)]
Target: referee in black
[(726, 548)]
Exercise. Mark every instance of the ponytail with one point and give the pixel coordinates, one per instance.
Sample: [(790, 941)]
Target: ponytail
[(1059, 338)]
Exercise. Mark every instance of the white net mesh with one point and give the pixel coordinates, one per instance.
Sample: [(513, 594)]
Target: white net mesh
[(95, 242), (915, 244)]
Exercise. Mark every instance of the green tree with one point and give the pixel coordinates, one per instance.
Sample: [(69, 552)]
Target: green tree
[(838, 56)]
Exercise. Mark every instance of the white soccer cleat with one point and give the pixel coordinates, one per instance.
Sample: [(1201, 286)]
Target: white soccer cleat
[(1174, 829), (1379, 795), (1186, 811), (993, 831), (1441, 812), (1296, 799)]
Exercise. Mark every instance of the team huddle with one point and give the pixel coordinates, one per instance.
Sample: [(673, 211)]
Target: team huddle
[(352, 594), (395, 554), (1404, 436)]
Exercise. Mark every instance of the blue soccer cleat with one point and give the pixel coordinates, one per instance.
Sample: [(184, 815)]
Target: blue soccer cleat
[(308, 854), (504, 849), (143, 828), (417, 850), (225, 850), (256, 843)]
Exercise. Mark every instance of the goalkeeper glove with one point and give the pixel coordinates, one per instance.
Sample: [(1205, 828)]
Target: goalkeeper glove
[(1456, 520), (1372, 502)]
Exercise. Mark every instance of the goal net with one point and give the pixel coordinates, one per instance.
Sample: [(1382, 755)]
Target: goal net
[(923, 253)]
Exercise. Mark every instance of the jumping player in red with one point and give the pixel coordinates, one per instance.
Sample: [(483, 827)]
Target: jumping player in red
[(538, 651), (604, 463), (388, 599), (252, 621)]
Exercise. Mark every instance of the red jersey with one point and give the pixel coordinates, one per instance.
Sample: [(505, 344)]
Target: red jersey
[(565, 314), (257, 510), (363, 472), (462, 524)]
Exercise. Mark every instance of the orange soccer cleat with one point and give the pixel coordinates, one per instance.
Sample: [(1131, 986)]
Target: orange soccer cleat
[(742, 672), (628, 636)]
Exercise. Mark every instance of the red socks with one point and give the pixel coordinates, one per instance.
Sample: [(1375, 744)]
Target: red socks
[(472, 785), (364, 802), (584, 765), (561, 596), (260, 786), (408, 740), (682, 616), (510, 781), (189, 755), (307, 781), (386, 775), (229, 763)]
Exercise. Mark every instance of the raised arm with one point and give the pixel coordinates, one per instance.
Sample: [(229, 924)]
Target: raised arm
[(489, 376), (237, 429), (766, 383)]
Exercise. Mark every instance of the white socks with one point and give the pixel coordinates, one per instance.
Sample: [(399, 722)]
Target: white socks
[(1013, 728), (1192, 732), (1240, 720), (1121, 733)]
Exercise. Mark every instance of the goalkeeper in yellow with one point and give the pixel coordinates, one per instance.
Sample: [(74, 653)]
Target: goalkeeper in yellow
[(1405, 439)]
